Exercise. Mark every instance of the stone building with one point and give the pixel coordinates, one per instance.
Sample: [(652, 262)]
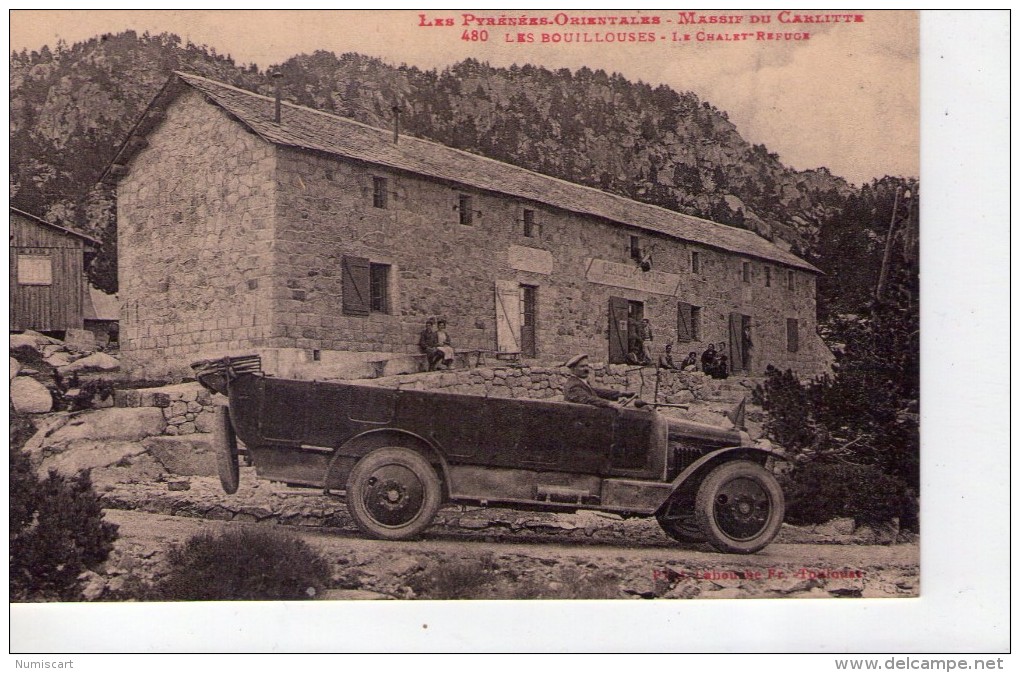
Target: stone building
[(314, 237)]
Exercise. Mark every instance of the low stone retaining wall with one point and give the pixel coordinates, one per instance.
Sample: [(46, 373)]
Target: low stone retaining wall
[(186, 407), (547, 382)]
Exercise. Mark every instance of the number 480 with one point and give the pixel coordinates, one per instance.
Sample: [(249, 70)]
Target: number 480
[(475, 36)]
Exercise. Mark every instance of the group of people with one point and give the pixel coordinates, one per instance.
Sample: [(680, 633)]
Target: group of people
[(713, 362), (435, 343)]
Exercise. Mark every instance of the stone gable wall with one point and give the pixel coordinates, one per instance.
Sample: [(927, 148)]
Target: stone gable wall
[(195, 221)]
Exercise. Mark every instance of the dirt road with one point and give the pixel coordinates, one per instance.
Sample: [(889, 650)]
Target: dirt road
[(457, 562)]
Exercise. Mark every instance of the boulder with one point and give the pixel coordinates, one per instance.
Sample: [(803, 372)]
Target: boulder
[(49, 349), (58, 359), (131, 425), (30, 397), (189, 454), (32, 339), (15, 368), (97, 362), (681, 397), (44, 427), (80, 340), (24, 341), (85, 454), (841, 526)]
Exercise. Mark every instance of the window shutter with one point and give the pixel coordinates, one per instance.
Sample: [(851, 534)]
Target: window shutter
[(684, 324), (508, 316), (356, 285)]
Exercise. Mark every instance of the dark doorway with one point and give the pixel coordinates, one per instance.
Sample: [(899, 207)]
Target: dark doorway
[(741, 345), (619, 318), (624, 322), (529, 304)]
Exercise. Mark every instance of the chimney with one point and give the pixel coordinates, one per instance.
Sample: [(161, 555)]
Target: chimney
[(396, 123), (277, 78)]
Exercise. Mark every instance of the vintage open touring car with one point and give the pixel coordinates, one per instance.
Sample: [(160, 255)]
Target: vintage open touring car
[(399, 455)]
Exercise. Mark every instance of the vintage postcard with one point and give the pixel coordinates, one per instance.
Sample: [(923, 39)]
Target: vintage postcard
[(527, 305)]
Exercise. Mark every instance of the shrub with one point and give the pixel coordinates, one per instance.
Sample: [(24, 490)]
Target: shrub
[(56, 527), (819, 492), (245, 564)]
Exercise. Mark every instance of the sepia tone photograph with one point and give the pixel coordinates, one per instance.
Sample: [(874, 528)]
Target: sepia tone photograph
[(451, 305)]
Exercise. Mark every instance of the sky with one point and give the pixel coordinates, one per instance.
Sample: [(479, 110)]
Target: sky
[(845, 98)]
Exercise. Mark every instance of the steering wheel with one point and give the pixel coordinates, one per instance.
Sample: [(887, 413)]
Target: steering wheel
[(629, 400)]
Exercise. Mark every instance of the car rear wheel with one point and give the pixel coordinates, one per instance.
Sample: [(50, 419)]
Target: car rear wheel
[(225, 445), (393, 493), (739, 507)]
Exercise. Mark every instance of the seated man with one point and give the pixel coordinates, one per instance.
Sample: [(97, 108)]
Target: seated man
[(576, 389), (666, 359)]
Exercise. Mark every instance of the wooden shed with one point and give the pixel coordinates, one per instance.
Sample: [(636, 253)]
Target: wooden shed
[(47, 279)]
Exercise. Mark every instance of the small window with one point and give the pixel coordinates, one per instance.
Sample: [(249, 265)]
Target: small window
[(379, 192), (768, 276), (745, 271), (791, 281), (529, 224), (635, 248), (379, 288), (35, 270), (792, 335), (695, 261), (465, 210)]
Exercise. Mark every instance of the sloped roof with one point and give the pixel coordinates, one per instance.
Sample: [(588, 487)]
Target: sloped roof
[(39, 220), (308, 129)]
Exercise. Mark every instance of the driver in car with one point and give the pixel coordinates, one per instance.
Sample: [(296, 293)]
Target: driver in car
[(576, 389)]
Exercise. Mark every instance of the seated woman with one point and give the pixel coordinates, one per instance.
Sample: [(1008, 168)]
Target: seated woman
[(443, 344), (428, 343), (690, 363)]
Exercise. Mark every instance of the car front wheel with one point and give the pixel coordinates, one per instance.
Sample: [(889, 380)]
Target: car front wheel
[(393, 493), (739, 507)]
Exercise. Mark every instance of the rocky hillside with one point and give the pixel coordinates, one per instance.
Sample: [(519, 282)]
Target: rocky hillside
[(71, 107)]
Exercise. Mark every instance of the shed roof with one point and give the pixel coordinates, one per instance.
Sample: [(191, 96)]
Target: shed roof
[(70, 232), (308, 129)]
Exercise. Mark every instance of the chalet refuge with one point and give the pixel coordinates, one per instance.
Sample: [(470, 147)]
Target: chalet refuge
[(250, 225), (47, 277)]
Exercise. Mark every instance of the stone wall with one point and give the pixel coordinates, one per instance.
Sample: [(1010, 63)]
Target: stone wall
[(195, 221), (187, 408), (547, 383), (229, 245), (438, 266)]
